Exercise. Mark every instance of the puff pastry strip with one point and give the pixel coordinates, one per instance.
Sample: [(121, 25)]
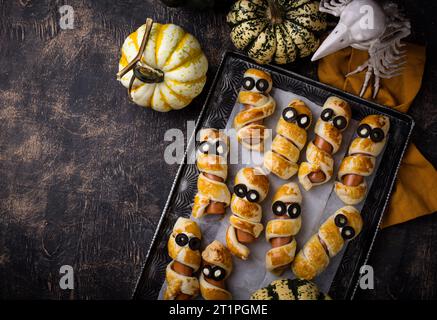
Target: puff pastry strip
[(251, 188), (258, 105), (280, 231), (213, 195), (345, 224), (184, 248), (290, 139), (351, 186), (217, 266), (318, 168)]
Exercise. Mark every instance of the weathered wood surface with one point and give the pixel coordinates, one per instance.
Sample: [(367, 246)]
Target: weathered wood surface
[(81, 176)]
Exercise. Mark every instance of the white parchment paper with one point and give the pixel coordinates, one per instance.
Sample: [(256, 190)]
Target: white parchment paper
[(318, 204)]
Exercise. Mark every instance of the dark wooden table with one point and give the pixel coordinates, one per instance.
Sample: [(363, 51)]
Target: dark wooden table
[(82, 180)]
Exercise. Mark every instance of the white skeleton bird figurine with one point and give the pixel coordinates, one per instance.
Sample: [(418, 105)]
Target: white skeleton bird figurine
[(365, 25)]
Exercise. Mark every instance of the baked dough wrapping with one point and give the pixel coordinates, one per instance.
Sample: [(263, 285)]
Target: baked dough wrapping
[(286, 207), (251, 188), (211, 160), (183, 247), (360, 161), (258, 105), (290, 139), (345, 224), (217, 266), (334, 119)]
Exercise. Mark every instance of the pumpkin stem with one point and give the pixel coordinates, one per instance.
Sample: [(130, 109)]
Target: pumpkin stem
[(275, 12), (142, 71)]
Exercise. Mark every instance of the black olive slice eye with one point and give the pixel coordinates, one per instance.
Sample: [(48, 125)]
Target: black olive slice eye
[(204, 147), (279, 208), (220, 148), (377, 135), (240, 190), (347, 233), (303, 121), (340, 122), (181, 239), (262, 85), (218, 273), (248, 83), (206, 271), (364, 130), (293, 210), (194, 244), (289, 114), (252, 196), (327, 114), (340, 220)]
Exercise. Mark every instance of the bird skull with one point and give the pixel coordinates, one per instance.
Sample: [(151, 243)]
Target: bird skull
[(361, 22)]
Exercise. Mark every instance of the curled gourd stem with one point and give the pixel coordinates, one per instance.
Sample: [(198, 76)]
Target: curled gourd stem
[(141, 70), (276, 15)]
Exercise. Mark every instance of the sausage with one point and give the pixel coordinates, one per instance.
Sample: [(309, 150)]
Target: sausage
[(317, 176), (322, 144), (244, 237), (213, 177), (183, 270), (252, 140), (215, 207), (278, 242), (352, 179)]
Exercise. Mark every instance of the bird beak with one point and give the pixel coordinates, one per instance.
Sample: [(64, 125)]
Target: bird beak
[(338, 39)]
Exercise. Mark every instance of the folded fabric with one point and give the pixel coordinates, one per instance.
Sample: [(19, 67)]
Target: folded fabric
[(416, 186)]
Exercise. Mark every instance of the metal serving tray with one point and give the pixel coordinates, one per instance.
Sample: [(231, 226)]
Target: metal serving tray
[(215, 113)]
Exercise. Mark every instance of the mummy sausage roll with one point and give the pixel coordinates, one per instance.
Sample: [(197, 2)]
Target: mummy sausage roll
[(258, 104), (290, 139), (251, 188), (344, 225), (184, 248), (213, 195), (280, 231), (360, 161), (217, 266), (319, 167)]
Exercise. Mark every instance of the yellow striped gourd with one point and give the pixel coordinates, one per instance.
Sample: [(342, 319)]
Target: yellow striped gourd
[(180, 58)]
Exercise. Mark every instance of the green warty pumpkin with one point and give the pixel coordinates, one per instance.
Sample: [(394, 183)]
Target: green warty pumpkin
[(276, 30)]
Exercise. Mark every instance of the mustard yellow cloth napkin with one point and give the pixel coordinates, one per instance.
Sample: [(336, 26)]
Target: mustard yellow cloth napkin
[(415, 192)]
